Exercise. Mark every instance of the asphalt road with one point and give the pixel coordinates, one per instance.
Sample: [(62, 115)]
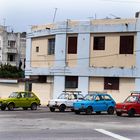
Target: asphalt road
[(45, 125)]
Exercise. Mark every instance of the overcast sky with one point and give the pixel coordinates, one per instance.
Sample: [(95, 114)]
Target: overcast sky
[(20, 14)]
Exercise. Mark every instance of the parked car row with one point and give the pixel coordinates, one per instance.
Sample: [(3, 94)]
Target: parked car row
[(96, 102), (93, 102)]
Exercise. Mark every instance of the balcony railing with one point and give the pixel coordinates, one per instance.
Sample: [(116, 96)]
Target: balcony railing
[(11, 50)]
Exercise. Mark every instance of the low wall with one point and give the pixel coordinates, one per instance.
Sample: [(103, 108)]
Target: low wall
[(42, 90)]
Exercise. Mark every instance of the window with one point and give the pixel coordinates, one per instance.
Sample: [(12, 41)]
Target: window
[(42, 79), (37, 49), (11, 43), (126, 44), (72, 45), (111, 83), (51, 46), (11, 57), (99, 43), (71, 82)]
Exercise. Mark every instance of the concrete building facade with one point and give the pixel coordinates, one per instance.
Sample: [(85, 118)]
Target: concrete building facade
[(12, 47), (95, 55)]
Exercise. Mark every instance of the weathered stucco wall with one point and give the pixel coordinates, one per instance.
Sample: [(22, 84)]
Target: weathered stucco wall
[(126, 85), (42, 90)]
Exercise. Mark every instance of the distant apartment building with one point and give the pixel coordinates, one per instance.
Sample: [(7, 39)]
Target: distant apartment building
[(95, 55), (12, 47)]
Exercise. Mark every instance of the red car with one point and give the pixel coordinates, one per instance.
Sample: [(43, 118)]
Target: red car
[(130, 106)]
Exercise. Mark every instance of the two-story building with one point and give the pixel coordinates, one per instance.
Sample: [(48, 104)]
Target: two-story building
[(95, 55)]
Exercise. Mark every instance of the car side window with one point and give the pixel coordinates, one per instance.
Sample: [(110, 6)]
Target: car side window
[(139, 100), (97, 98), (70, 97), (19, 95), (79, 96), (107, 98), (23, 95), (30, 95)]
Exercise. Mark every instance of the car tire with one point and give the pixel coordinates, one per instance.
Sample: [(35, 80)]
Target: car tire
[(11, 106), (52, 109), (77, 112), (118, 113), (25, 108), (89, 111), (110, 110), (62, 108), (131, 113), (33, 106), (3, 107)]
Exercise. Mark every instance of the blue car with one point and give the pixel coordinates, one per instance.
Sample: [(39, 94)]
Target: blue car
[(95, 102)]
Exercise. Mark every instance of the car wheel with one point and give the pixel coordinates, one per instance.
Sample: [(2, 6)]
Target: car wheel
[(110, 110), (77, 112), (131, 112), (119, 113), (52, 109), (25, 108), (3, 108), (89, 111), (62, 108), (34, 106), (11, 107)]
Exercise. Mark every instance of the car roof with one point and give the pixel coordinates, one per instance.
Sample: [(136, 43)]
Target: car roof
[(136, 93)]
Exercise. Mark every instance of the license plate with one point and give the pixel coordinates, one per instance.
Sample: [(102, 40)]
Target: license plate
[(118, 110)]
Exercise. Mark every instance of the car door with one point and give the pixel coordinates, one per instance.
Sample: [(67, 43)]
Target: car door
[(71, 100), (99, 104), (31, 98), (137, 106), (108, 102), (17, 99), (25, 100)]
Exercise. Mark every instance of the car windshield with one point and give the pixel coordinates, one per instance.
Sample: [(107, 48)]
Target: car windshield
[(131, 99), (63, 96), (89, 97), (13, 95)]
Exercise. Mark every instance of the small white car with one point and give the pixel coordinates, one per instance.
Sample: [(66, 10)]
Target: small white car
[(65, 101)]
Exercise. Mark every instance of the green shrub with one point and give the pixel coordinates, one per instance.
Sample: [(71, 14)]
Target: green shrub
[(9, 71)]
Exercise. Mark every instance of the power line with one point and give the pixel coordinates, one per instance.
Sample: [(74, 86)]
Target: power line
[(72, 59)]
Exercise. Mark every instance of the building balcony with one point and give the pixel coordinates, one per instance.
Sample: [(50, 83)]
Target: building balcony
[(11, 50)]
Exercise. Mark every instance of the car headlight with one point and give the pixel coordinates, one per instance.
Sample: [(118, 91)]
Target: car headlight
[(55, 102)]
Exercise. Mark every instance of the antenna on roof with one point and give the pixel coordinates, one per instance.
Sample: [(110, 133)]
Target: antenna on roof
[(54, 14)]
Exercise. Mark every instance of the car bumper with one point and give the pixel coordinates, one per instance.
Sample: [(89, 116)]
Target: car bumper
[(53, 106), (122, 110)]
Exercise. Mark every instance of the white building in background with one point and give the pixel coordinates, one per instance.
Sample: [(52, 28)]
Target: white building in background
[(12, 47), (95, 55)]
